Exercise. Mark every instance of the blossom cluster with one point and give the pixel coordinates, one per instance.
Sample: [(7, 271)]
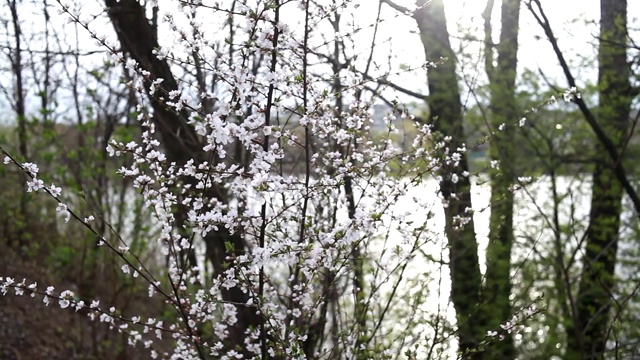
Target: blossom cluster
[(138, 331), (515, 324), (279, 177)]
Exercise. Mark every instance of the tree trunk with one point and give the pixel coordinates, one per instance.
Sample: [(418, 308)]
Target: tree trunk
[(445, 110), (138, 38), (503, 109), (588, 335)]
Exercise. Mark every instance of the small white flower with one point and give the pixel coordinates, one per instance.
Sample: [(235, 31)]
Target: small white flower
[(34, 185), (79, 305), (55, 191), (110, 150), (64, 303), (63, 210), (296, 312), (571, 94), (31, 168), (131, 64)]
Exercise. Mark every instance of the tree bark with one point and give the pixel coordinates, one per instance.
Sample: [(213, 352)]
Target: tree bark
[(503, 110), (588, 335), (137, 37), (446, 112)]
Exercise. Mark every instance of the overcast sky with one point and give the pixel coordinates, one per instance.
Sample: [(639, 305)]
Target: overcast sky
[(574, 23)]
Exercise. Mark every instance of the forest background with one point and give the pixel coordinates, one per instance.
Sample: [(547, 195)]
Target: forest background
[(325, 179)]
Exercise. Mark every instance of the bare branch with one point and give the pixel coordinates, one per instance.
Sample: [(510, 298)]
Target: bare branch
[(396, 7), (384, 81), (608, 144)]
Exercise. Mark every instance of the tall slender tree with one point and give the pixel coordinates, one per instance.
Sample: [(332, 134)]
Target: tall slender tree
[(589, 332), (446, 118), (590, 319), (480, 307), (503, 122)]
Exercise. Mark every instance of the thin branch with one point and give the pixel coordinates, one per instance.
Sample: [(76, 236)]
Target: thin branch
[(546, 80), (608, 144), (59, 52), (396, 7), (384, 81)]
